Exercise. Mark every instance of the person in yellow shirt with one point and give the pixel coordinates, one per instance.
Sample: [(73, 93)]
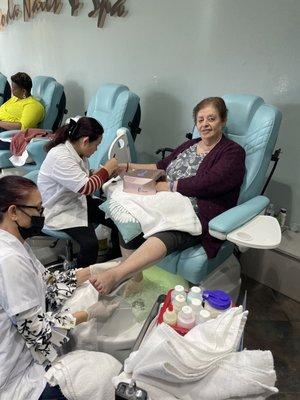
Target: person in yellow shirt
[(22, 110)]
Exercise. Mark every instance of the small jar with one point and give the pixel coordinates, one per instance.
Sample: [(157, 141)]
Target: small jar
[(170, 316), (186, 318), (216, 302), (203, 316), (194, 293), (178, 289), (179, 302)]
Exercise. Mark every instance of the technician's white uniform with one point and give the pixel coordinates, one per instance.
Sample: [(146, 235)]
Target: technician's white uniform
[(62, 174), (25, 343), (21, 288)]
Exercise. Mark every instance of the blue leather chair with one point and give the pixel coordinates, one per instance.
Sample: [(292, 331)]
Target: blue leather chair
[(51, 94), (4, 89), (114, 106), (255, 126)]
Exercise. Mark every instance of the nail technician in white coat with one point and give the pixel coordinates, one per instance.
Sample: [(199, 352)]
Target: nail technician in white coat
[(29, 332)]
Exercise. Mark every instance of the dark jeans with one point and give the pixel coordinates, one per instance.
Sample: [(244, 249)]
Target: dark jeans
[(86, 237), (4, 145), (52, 393)]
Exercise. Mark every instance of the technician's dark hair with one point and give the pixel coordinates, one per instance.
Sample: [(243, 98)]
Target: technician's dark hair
[(23, 81), (14, 190), (73, 131), (217, 102)]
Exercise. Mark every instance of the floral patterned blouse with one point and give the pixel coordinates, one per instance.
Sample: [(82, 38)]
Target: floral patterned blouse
[(41, 330), (185, 166)]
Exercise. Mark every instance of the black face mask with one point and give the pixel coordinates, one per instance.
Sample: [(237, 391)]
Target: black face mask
[(35, 229)]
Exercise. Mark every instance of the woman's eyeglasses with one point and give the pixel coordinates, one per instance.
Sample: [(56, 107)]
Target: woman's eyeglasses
[(40, 209)]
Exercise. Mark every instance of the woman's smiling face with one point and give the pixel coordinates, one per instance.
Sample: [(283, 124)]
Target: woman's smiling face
[(209, 123)]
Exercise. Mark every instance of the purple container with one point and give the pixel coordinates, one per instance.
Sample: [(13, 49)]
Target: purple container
[(217, 299)]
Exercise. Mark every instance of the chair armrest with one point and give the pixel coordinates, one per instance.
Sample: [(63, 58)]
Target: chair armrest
[(8, 134), (237, 216)]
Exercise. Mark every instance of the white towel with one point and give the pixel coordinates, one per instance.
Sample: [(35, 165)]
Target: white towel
[(241, 375), (204, 361), (19, 161), (163, 211), (179, 358), (85, 375)]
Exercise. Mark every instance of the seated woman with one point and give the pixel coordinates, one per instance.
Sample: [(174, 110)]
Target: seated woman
[(21, 111), (210, 171), (66, 187), (30, 331)]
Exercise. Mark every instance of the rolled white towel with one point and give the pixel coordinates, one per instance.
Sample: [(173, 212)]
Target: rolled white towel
[(85, 375)]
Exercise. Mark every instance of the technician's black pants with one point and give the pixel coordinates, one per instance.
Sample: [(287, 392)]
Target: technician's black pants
[(86, 237)]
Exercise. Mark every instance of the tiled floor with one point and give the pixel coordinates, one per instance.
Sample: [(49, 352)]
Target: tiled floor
[(274, 324)]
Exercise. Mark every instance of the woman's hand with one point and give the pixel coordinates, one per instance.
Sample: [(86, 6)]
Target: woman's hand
[(122, 167), (111, 166), (162, 187)]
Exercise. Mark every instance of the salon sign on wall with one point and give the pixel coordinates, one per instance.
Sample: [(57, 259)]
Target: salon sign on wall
[(101, 9)]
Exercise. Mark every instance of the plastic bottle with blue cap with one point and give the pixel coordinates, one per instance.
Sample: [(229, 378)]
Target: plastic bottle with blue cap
[(216, 302)]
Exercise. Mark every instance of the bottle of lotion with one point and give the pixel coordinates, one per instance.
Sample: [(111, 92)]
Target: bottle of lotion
[(170, 316), (179, 302), (179, 289), (194, 293), (186, 318)]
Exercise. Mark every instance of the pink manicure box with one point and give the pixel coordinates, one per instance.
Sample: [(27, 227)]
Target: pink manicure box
[(142, 181)]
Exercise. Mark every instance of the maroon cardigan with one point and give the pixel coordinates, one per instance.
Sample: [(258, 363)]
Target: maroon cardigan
[(216, 184)]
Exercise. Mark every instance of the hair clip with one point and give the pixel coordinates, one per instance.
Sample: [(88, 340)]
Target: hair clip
[(72, 128)]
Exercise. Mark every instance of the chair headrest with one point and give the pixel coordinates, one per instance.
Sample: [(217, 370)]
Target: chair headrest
[(241, 109), (114, 106), (49, 92), (105, 98), (255, 126)]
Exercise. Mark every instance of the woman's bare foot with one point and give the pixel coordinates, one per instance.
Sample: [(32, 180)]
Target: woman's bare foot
[(105, 281)]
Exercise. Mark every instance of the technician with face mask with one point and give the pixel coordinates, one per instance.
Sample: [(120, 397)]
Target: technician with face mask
[(30, 330)]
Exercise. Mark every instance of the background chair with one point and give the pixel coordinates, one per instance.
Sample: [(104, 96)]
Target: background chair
[(114, 106), (255, 126), (51, 94), (5, 91)]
